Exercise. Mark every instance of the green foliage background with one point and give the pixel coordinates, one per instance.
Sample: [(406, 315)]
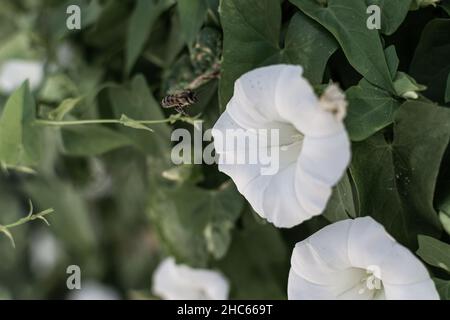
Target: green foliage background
[(121, 205)]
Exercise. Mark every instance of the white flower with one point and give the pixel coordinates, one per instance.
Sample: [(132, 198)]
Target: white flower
[(45, 252), (92, 290), (356, 259), (181, 282), (312, 152), (14, 72)]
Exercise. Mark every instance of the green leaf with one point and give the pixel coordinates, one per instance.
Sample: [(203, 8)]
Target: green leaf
[(445, 220), (137, 102), (141, 22), (405, 84), (347, 20), (195, 223), (418, 4), (19, 138), (430, 65), (309, 45), (443, 287), (341, 205), (91, 140), (72, 222), (392, 13), (17, 46), (445, 4), (252, 39), (56, 17), (251, 31), (164, 45), (257, 263), (447, 90), (128, 122), (392, 60), (396, 180), (64, 107), (192, 15), (434, 252), (370, 110)]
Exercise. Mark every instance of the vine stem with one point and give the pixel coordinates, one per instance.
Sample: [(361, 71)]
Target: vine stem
[(95, 121), (41, 215), (124, 120), (5, 229)]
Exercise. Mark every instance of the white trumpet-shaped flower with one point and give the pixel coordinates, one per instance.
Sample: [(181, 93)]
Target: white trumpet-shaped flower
[(356, 259), (14, 72), (310, 149), (181, 282)]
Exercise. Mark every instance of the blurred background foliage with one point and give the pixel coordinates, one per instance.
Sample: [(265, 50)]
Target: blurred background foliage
[(121, 205)]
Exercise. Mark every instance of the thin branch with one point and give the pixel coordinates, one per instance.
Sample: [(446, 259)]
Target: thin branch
[(5, 229)]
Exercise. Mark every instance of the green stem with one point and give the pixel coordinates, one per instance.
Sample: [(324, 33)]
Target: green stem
[(95, 121), (5, 229), (28, 218)]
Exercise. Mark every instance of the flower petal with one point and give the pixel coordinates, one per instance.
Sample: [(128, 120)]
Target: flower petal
[(14, 72), (424, 290), (356, 259), (180, 282)]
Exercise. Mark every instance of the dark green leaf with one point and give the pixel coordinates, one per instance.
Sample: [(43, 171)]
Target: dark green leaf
[(443, 287), (138, 103), (165, 44), (406, 85), (392, 13), (71, 220), (192, 14), (447, 90), (140, 26), (396, 180), (341, 205), (392, 60), (370, 110), (434, 252), (445, 4), (91, 140), (257, 263), (251, 38), (347, 20), (195, 223), (19, 137), (445, 220), (431, 65), (309, 45)]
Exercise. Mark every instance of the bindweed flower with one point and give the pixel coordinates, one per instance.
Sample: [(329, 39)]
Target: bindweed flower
[(356, 259), (310, 150), (14, 72), (181, 282)]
